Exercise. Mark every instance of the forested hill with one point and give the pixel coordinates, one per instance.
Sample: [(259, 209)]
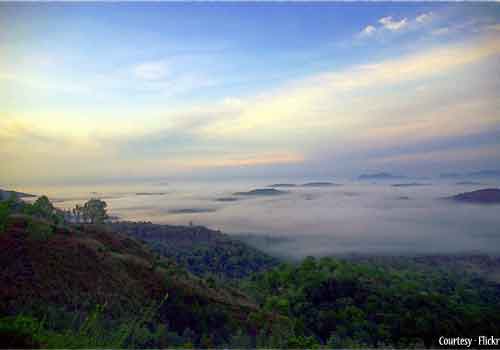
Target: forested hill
[(82, 286), (345, 304), (201, 250)]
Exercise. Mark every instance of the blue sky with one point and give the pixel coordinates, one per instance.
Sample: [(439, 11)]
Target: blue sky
[(159, 89)]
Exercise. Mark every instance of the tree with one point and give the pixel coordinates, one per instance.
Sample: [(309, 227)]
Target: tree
[(43, 207), (94, 211), (77, 212)]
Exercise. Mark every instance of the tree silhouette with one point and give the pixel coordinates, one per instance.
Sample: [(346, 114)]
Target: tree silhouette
[(94, 211)]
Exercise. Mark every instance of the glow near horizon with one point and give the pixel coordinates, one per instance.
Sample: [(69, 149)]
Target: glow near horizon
[(400, 88)]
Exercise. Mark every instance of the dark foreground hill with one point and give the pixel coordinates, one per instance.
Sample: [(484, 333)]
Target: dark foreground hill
[(201, 250), (81, 286)]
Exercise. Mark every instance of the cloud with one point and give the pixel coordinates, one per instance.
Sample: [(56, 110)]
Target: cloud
[(393, 25), (414, 98), (388, 24), (424, 18), (368, 31), (310, 102), (47, 78), (17, 132), (249, 160)]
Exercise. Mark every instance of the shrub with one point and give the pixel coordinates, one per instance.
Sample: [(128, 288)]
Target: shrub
[(39, 230), (4, 214), (19, 332)]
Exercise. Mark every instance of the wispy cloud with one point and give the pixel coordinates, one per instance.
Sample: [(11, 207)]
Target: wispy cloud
[(393, 25), (250, 160), (356, 109), (369, 30), (390, 24), (424, 17), (309, 102)]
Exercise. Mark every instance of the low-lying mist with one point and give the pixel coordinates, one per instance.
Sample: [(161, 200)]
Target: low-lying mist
[(357, 217)]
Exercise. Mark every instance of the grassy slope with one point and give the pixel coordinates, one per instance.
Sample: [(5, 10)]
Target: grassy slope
[(77, 268)]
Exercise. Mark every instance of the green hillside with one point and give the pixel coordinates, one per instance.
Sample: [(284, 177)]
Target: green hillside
[(343, 303), (201, 250)]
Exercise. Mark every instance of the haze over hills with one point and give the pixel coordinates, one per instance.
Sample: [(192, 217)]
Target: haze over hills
[(478, 174), (307, 184), (380, 176), (150, 194), (473, 174), (319, 184), (410, 184), (485, 173), (260, 192), (191, 210)]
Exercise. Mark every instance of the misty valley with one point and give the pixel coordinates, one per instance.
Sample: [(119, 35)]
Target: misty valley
[(352, 266)]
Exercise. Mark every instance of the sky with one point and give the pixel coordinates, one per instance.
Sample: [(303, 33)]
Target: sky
[(203, 90)]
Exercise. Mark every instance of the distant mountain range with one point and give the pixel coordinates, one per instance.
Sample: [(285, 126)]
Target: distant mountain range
[(488, 173), (319, 184), (150, 194), (475, 174), (307, 184), (5, 194), (260, 192), (380, 176), (410, 184)]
